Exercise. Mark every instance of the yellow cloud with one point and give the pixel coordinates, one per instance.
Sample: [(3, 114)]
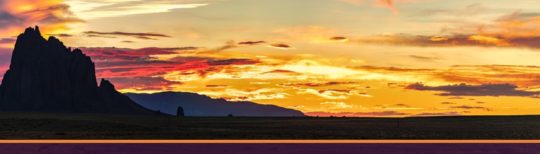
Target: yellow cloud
[(105, 8), (488, 40)]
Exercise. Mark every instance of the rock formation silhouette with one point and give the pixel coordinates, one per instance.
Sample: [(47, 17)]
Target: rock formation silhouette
[(46, 76), (180, 112)]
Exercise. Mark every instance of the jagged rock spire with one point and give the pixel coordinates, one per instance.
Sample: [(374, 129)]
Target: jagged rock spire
[(46, 76)]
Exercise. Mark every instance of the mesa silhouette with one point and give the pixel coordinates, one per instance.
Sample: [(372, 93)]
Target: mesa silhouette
[(45, 76)]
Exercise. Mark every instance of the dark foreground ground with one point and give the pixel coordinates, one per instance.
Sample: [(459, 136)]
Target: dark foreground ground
[(57, 126)]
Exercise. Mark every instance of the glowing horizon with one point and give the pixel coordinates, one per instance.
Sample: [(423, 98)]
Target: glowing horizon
[(325, 58)]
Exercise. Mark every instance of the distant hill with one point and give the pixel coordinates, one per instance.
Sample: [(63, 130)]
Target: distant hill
[(45, 76), (199, 105)]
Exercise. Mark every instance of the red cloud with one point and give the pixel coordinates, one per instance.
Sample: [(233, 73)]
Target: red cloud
[(144, 83), (137, 68)]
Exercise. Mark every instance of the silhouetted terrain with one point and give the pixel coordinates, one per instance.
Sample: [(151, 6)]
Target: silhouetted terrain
[(51, 92), (59, 126), (200, 105), (45, 76)]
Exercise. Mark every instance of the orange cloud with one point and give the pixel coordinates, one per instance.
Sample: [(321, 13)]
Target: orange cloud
[(51, 15), (514, 25), (523, 76), (514, 30), (488, 40), (475, 90)]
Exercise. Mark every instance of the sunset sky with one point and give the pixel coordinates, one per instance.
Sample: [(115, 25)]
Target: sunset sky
[(322, 57)]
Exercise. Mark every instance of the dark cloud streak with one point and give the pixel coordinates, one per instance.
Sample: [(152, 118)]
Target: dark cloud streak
[(466, 107), (144, 36), (475, 90)]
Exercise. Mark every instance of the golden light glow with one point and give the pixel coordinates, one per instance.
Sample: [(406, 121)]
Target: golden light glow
[(325, 58), (488, 40)]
